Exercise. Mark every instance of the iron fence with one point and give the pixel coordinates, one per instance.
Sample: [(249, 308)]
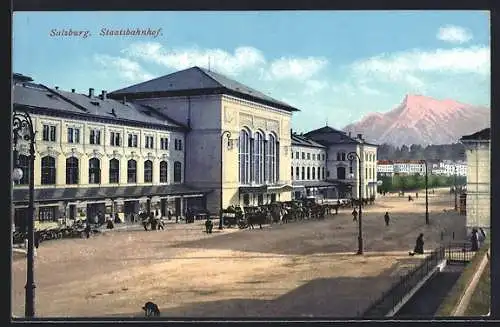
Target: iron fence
[(400, 289), (459, 252)]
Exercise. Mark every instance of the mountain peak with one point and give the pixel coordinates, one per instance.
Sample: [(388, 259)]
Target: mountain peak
[(421, 119)]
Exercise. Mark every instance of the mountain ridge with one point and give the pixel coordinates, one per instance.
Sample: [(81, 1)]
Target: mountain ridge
[(423, 120)]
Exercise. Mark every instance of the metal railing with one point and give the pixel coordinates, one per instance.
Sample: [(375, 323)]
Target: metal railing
[(459, 252), (400, 289)]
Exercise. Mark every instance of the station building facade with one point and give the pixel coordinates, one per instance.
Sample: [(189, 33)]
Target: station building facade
[(98, 155)]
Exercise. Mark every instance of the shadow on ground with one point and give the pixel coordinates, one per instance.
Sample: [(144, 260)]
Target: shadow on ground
[(316, 298)]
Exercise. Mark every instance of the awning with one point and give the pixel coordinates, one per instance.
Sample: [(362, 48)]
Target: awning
[(314, 184), (110, 192), (280, 188), (252, 189)]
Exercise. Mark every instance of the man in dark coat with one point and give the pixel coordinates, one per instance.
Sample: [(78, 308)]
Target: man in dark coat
[(419, 245), (354, 215), (386, 218), (209, 226), (474, 240)]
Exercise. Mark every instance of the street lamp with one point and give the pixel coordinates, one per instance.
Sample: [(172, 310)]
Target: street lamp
[(455, 187), (23, 130), (225, 134), (351, 156), (426, 193)]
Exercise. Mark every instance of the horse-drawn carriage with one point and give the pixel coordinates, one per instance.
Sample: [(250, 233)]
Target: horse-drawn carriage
[(231, 216), (254, 216)]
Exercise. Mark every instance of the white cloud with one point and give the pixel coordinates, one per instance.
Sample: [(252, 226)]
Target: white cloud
[(454, 34), (295, 68), (243, 58), (314, 86), (410, 67), (126, 68)]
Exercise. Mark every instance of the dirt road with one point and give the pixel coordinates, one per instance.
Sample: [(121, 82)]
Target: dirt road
[(293, 270)]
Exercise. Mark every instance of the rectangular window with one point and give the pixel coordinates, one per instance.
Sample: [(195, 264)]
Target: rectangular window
[(132, 140), (297, 172), (47, 213), (314, 156), (149, 142), (296, 155), (292, 173), (308, 156), (303, 155), (115, 139), (178, 144), (73, 135), (95, 136), (49, 133), (164, 143)]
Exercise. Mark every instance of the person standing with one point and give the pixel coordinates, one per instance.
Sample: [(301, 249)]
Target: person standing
[(474, 240), (354, 215), (387, 218), (419, 245)]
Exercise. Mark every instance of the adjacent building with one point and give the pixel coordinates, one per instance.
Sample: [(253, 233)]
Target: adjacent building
[(308, 169), (478, 198), (449, 168), (98, 155), (340, 170)]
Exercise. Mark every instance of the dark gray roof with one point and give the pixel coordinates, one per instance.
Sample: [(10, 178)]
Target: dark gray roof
[(41, 96), (329, 136), (481, 135), (196, 78), (300, 140), (89, 193)]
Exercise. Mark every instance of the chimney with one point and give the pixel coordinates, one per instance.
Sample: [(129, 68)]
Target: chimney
[(72, 90), (91, 92), (104, 94), (56, 87), (360, 136)]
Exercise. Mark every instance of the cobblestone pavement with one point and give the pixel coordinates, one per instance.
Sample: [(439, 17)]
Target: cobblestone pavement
[(292, 270)]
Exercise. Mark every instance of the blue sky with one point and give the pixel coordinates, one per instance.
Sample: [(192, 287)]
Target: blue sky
[(334, 66)]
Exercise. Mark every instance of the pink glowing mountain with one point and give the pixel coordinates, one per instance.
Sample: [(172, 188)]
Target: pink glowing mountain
[(422, 120)]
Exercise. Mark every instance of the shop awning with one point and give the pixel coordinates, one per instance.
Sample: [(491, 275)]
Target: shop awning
[(314, 184), (280, 188), (110, 192)]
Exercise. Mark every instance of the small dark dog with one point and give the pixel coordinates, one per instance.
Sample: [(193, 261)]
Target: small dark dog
[(151, 309)]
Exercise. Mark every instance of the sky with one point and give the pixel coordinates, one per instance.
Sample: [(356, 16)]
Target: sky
[(335, 66)]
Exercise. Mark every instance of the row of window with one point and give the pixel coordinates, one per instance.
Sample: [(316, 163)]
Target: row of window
[(49, 134), (342, 156), (304, 173), (318, 157), (73, 171), (258, 159)]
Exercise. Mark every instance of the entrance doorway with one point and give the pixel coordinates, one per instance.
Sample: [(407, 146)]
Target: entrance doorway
[(98, 209), (72, 211), (260, 200), (178, 212), (20, 217), (130, 208), (273, 198)]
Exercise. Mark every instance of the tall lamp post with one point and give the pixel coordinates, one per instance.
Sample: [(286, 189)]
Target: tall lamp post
[(223, 136), (351, 156), (455, 187), (23, 129), (426, 193)]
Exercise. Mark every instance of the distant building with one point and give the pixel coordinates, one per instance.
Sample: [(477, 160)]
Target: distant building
[(478, 149), (450, 168), (400, 167), (385, 168)]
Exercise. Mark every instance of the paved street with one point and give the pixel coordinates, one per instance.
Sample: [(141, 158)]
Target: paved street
[(299, 269)]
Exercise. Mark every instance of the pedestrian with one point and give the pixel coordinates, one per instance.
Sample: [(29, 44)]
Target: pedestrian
[(387, 218), (419, 245), (87, 230), (37, 239), (96, 219), (145, 222), (161, 225), (170, 215), (208, 226), (416, 195), (474, 240), (354, 215)]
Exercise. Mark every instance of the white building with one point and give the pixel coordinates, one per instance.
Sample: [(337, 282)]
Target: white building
[(478, 201), (385, 168), (342, 171), (409, 167), (450, 168), (308, 170)]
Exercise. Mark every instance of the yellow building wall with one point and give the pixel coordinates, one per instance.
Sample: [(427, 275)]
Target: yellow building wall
[(478, 185), (235, 115)]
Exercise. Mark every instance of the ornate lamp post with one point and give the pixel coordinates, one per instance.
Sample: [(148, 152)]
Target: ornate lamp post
[(351, 156), (223, 136), (23, 130), (426, 193)]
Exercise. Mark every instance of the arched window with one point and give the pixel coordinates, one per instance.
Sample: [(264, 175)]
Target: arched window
[(258, 158), (23, 162), (94, 171), (244, 157), (177, 172), (114, 171), (163, 172), (308, 173), (323, 173), (72, 170), (271, 160), (132, 171), (48, 170), (313, 172), (148, 171), (340, 172)]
